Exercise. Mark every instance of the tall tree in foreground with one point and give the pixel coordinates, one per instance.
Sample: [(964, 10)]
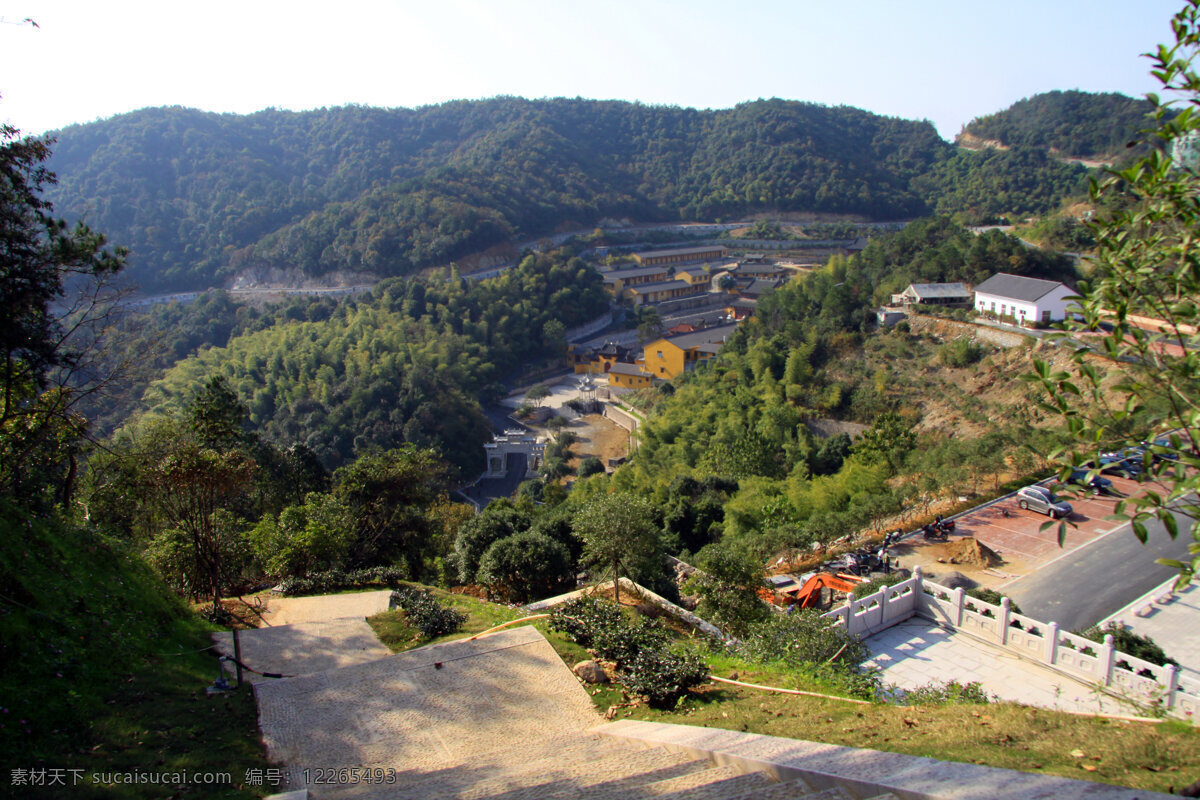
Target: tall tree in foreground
[(617, 530), (53, 288), (1147, 288)]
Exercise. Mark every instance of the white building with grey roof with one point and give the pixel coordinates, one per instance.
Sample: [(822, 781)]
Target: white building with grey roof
[(1029, 301)]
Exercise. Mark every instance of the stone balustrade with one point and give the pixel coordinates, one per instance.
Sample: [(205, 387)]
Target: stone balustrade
[(1101, 664)]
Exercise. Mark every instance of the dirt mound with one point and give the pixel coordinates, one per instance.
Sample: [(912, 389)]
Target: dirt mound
[(973, 552)]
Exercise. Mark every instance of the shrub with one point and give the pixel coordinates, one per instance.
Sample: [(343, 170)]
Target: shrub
[(875, 584), (645, 664), (802, 637), (600, 626), (960, 353), (1130, 643), (426, 614), (525, 566), (336, 580), (582, 618), (951, 693), (663, 677), (590, 466), (993, 597)]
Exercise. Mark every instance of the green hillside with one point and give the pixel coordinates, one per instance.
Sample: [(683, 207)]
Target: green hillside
[(199, 196), (105, 669), (1089, 125)]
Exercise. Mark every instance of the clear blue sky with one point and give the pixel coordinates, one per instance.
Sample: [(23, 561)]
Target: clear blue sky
[(921, 59)]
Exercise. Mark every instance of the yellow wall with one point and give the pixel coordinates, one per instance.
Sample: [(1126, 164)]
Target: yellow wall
[(663, 359), (694, 277), (628, 381)]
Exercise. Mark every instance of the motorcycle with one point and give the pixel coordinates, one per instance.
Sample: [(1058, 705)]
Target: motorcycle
[(933, 531)]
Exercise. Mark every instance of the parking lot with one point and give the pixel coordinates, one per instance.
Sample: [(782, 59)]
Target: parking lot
[(1016, 535)]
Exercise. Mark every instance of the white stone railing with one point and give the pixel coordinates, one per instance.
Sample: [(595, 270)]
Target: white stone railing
[(887, 607), (1100, 664)]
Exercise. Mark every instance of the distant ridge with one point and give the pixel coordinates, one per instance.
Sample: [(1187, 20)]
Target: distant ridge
[(201, 197)]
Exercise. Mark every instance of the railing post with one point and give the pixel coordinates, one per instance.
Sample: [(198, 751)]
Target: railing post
[(959, 603), (884, 594), (1107, 651), (1005, 618), (1051, 653), (1172, 684)]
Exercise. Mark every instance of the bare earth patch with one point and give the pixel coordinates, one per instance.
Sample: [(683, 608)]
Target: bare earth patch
[(599, 437)]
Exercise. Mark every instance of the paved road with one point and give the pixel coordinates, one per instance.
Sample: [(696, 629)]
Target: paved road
[(1095, 581)]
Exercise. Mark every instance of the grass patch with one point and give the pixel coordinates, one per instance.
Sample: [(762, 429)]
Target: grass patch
[(105, 671), (1140, 755)]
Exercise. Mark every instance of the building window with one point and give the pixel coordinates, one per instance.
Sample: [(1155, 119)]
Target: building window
[(660, 353), (662, 369)]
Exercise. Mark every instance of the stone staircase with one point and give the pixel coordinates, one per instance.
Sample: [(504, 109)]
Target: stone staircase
[(502, 717)]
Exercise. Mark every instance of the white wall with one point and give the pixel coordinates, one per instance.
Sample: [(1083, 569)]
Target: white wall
[(1055, 302)]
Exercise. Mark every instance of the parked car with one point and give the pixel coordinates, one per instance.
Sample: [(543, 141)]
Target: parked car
[(1041, 499), (1126, 463), (1095, 484)]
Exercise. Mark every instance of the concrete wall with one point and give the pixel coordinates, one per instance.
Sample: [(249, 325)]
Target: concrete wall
[(622, 418)]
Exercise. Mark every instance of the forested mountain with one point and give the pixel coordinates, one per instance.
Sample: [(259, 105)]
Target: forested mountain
[(403, 366), (1074, 123), (199, 196)]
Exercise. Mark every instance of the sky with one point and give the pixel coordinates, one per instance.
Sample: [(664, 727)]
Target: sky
[(947, 61)]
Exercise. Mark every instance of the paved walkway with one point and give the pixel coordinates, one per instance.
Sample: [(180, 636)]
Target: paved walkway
[(289, 610), (306, 635), (919, 652), (305, 647)]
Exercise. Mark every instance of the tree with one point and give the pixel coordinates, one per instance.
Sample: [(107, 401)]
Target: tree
[(388, 494), (1146, 295), (497, 521), (888, 440), (728, 588), (537, 393), (617, 530), (303, 538), (525, 566), (48, 339), (193, 486), (554, 337)]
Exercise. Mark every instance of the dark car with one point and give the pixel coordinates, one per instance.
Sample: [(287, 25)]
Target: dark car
[(1095, 484), (1126, 463)]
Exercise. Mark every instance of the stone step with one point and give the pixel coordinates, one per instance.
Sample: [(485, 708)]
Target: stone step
[(728, 783), (534, 758), (795, 789), (506, 775)]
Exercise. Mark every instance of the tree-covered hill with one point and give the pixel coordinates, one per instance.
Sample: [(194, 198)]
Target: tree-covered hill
[(406, 365), (199, 196), (1091, 125)]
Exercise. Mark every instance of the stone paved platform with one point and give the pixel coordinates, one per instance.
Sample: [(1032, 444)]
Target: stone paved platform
[(305, 648), (290, 610), (918, 652), (427, 708)]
